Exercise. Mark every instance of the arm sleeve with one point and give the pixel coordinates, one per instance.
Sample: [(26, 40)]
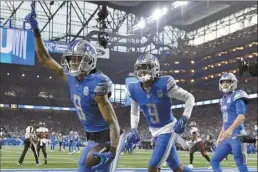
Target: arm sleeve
[(135, 114), (104, 87), (240, 106), (183, 95)]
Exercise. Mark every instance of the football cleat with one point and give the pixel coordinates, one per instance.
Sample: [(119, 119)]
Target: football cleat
[(190, 166)]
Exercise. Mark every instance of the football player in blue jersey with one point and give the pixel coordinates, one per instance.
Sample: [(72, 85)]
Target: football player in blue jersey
[(152, 94), (233, 108), (53, 141), (71, 143), (90, 90)]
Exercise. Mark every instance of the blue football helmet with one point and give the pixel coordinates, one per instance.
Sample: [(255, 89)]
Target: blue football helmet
[(228, 77), (79, 58), (146, 67)]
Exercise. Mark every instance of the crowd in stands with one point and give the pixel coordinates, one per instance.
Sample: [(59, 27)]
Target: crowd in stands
[(207, 117)]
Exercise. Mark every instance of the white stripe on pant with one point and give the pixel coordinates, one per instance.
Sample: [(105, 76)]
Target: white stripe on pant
[(114, 163), (168, 150)]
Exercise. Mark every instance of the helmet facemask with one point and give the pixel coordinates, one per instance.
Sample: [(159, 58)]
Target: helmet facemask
[(146, 71), (77, 64), (227, 83)]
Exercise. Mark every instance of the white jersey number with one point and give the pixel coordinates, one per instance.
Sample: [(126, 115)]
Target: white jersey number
[(77, 103), (225, 117), (153, 112)]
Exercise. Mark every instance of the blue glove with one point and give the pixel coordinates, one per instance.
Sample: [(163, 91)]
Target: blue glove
[(180, 125), (32, 18), (105, 159), (134, 137)]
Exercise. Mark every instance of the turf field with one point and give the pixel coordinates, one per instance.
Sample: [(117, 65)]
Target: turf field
[(62, 160)]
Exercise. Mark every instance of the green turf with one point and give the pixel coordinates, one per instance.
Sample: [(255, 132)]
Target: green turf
[(139, 159)]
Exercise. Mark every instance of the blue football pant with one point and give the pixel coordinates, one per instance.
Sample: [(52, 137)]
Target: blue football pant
[(224, 148), (110, 167), (71, 146), (52, 145), (165, 150)]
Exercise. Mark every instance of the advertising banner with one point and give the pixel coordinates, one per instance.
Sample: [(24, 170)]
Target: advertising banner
[(57, 47), (17, 47)]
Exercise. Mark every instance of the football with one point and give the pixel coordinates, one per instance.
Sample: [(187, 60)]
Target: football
[(92, 160)]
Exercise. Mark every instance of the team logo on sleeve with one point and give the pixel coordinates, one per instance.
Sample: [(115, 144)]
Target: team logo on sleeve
[(86, 91), (160, 93), (229, 100)]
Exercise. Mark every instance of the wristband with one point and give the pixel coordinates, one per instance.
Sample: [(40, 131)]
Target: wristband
[(36, 32)]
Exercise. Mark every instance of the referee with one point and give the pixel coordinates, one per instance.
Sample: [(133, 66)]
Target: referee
[(28, 143)]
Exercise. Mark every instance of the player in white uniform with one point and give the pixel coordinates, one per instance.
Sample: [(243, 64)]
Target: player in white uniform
[(42, 134), (197, 144)]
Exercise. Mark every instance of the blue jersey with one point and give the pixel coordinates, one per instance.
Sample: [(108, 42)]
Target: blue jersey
[(71, 137), (228, 109), (82, 95), (76, 137), (53, 138), (155, 104)]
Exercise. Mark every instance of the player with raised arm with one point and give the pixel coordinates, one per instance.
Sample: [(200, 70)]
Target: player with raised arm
[(153, 95), (233, 108), (90, 90), (197, 144)]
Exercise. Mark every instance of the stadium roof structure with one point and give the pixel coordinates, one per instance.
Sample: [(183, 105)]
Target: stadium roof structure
[(193, 16)]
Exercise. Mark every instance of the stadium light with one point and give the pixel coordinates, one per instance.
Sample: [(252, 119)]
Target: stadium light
[(23, 74), (179, 3), (142, 24), (8, 73), (158, 13), (50, 77), (37, 76)]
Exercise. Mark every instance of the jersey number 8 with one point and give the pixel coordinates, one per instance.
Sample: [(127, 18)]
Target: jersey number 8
[(77, 103)]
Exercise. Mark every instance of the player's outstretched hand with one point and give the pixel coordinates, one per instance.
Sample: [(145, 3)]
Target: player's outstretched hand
[(180, 125), (32, 18), (105, 159), (227, 133)]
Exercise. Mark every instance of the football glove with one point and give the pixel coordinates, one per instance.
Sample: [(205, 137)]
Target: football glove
[(246, 138), (105, 159), (32, 18), (180, 125)]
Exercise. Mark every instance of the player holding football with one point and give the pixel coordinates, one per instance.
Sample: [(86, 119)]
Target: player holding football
[(90, 90), (233, 108), (153, 94), (197, 145)]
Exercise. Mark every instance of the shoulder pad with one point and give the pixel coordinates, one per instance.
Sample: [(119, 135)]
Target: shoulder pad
[(240, 94), (170, 82), (104, 86)]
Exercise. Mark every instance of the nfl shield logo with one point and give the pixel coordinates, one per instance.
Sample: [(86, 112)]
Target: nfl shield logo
[(159, 93), (86, 91)]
